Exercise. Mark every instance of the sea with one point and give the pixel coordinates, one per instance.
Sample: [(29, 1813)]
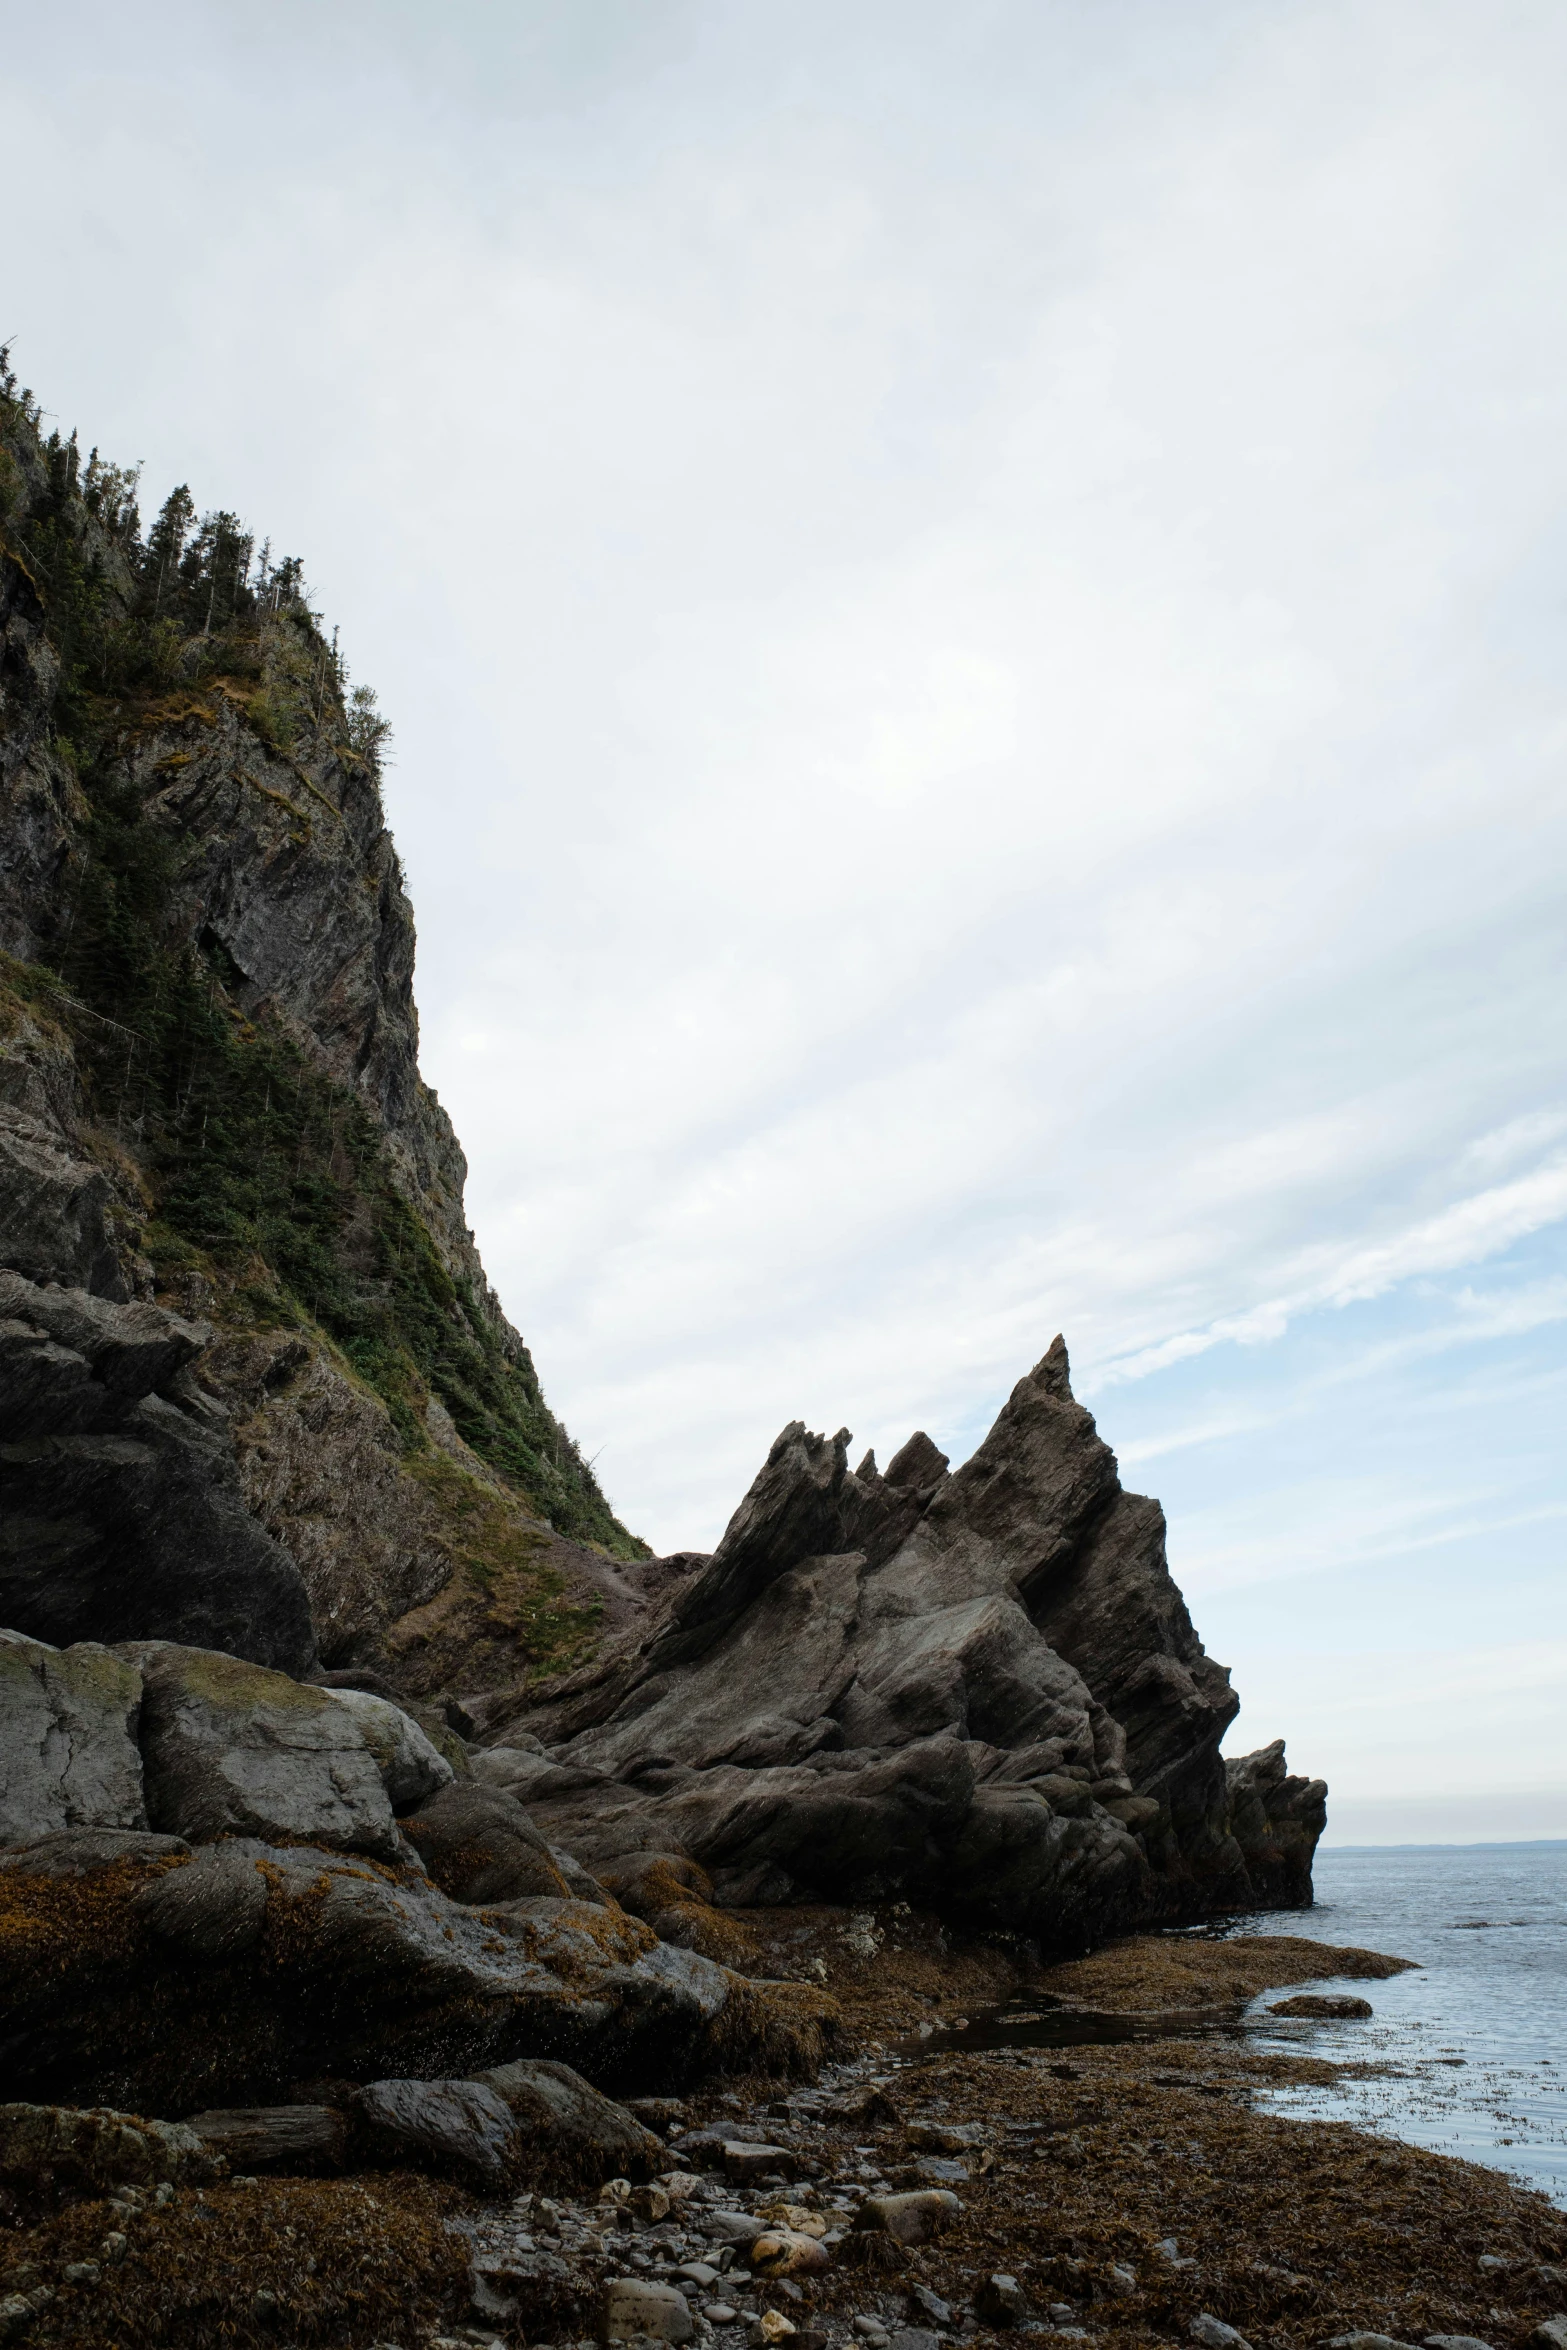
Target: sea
[(1469, 2055)]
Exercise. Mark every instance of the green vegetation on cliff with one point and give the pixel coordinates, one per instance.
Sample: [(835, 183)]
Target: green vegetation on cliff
[(257, 1170)]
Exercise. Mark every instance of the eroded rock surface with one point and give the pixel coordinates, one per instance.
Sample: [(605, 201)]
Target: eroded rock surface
[(980, 1690)]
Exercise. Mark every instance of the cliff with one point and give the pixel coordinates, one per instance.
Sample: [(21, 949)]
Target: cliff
[(211, 1108)]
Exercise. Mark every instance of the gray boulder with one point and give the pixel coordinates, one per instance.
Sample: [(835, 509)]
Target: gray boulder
[(230, 1749), (68, 1753), (572, 2135), (446, 2126), (297, 2138), (411, 1768), (479, 1845)]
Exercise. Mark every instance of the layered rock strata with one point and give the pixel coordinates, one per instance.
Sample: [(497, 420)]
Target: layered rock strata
[(980, 1691)]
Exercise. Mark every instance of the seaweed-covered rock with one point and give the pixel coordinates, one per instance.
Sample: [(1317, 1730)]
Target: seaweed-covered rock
[(232, 1749), (447, 2126), (68, 1752), (572, 2135), (47, 2146), (480, 1845), (138, 1973)]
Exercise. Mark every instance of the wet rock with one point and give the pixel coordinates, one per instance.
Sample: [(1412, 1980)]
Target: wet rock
[(461, 2126), (232, 1749), (571, 2133), (1001, 2301), (1323, 2006), (783, 2252), (308, 2139), (745, 2162), (634, 2306), (931, 2305), (287, 1964), (479, 1845), (911, 2218), (537, 2291), (68, 1752), (410, 1767), (98, 2149), (731, 2227), (1214, 2334)]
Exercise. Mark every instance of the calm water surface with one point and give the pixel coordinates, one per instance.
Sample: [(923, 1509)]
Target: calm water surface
[(1470, 2055)]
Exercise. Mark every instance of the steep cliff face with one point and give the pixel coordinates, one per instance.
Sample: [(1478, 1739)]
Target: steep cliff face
[(210, 1100)]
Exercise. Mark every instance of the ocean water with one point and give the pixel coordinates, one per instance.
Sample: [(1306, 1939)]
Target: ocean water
[(1469, 2056)]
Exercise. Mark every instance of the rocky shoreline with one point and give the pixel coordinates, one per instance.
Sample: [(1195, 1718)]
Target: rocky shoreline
[(922, 2189)]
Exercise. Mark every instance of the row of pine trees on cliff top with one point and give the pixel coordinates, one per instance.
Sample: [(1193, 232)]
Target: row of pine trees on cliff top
[(265, 1174)]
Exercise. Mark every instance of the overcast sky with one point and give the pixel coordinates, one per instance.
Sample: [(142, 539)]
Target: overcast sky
[(972, 600)]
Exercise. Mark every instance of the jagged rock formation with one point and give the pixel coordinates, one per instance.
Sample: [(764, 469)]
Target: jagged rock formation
[(980, 1691), (210, 1106)]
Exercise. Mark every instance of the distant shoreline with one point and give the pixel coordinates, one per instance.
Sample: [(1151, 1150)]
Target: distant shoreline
[(1470, 1844)]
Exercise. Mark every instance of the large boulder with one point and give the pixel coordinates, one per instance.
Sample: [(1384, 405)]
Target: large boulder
[(411, 1767), (230, 1749), (68, 1752), (447, 2126), (480, 1845), (138, 1973), (979, 1690), (121, 1514), (571, 2135)]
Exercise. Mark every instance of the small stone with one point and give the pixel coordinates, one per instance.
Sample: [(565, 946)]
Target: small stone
[(772, 2326), (697, 2272), (1001, 2301), (82, 2272), (911, 2218), (719, 2313), (1120, 2278), (650, 2203), (782, 2253), (871, 2328), (113, 2248), (1214, 2334), (913, 2338), (16, 2314), (1455, 2342), (1367, 2342), (1550, 2334), (742, 2162), (931, 2305), (634, 2305)]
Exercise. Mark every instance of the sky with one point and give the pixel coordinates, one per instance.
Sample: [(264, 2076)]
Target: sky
[(971, 602)]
